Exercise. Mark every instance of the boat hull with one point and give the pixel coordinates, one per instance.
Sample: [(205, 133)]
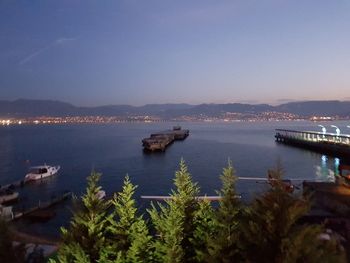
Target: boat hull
[(51, 170)]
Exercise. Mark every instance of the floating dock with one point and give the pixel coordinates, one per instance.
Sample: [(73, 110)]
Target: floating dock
[(327, 143), (160, 140)]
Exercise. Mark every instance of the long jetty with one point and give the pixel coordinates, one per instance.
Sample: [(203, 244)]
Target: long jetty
[(328, 143)]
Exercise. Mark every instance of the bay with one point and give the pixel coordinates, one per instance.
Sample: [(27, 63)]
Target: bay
[(116, 150)]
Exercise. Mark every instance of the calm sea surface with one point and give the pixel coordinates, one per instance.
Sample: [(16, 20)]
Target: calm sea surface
[(115, 150)]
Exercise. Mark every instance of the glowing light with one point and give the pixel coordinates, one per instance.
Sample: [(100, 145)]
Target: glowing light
[(336, 166), (324, 130), (324, 158), (336, 161), (337, 130)]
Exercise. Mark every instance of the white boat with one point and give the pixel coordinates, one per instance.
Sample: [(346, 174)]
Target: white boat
[(8, 196), (41, 172)]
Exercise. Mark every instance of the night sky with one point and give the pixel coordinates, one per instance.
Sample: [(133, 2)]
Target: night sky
[(162, 51)]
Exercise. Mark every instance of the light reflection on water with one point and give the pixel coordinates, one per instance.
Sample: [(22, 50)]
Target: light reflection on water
[(328, 170)]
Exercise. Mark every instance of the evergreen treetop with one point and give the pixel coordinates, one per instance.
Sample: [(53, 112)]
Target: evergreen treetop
[(174, 222), (86, 234), (128, 236), (223, 245)]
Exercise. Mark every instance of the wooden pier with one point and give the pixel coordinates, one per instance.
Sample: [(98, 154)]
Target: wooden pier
[(327, 143), (42, 206), (160, 140)]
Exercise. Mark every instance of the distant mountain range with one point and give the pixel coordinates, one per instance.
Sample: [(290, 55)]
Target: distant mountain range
[(35, 108)]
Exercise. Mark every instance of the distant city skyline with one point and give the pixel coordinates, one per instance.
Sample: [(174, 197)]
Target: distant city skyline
[(92, 53)]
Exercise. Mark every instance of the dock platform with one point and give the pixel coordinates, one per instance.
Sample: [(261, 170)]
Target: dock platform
[(327, 143)]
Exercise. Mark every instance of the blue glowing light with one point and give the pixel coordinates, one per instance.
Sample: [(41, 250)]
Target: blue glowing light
[(336, 162)]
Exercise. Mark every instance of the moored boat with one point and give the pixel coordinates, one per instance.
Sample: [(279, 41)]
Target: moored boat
[(41, 172)]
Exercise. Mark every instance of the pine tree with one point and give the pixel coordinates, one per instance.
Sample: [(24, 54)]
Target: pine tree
[(223, 244), (271, 233), (128, 237), (174, 222), (205, 227), (84, 240)]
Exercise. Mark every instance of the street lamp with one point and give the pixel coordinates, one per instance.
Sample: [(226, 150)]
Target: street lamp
[(324, 130), (337, 130)]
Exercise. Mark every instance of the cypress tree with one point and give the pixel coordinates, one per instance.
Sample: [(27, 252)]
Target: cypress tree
[(127, 233), (84, 240), (223, 244), (174, 222)]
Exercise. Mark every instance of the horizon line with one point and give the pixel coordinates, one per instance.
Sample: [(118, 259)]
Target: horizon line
[(178, 103)]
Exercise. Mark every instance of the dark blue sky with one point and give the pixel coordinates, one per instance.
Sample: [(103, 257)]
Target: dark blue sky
[(159, 51)]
